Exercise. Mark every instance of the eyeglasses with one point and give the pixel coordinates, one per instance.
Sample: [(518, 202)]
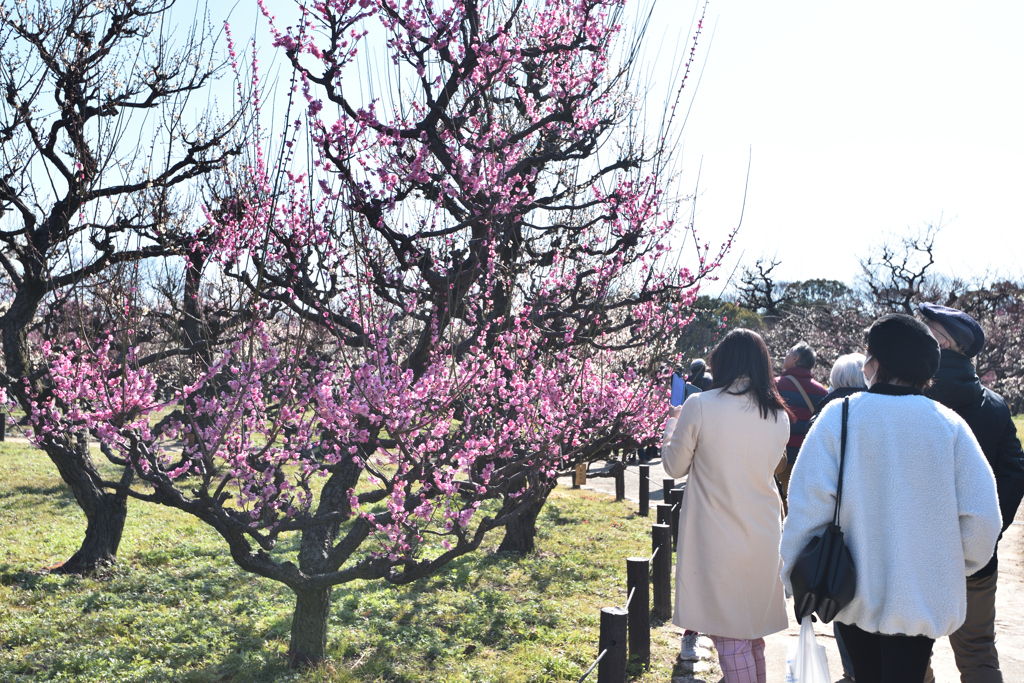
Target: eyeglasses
[(939, 331)]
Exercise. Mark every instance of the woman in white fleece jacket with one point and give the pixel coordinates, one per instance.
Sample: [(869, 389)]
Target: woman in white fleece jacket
[(919, 509)]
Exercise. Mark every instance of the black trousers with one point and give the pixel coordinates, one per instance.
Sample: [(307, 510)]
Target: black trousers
[(881, 658)]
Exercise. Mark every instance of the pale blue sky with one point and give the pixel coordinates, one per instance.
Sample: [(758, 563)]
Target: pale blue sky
[(862, 120)]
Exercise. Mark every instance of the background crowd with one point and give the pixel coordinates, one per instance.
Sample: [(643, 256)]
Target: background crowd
[(933, 472)]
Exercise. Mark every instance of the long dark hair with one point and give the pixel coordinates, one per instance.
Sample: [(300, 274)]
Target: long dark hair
[(744, 354)]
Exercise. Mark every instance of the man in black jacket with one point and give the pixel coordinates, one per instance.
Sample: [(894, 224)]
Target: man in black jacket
[(956, 385)]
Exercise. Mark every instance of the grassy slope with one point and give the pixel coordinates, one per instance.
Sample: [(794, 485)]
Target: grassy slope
[(176, 608)]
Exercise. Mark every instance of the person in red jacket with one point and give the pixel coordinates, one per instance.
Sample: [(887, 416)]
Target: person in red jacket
[(802, 394)]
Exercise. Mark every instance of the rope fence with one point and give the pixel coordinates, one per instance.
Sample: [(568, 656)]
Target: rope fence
[(625, 634), (618, 469), (596, 662)]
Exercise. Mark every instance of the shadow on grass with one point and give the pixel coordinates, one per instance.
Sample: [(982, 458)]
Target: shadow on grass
[(29, 496), (555, 516), (252, 658), (12, 576), (445, 618), (154, 628), (188, 614)]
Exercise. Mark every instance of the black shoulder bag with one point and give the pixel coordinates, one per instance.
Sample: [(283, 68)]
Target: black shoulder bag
[(824, 578)]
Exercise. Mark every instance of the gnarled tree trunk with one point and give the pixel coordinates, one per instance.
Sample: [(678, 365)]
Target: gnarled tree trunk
[(521, 530), (105, 511), (105, 523), (309, 628), (313, 605)]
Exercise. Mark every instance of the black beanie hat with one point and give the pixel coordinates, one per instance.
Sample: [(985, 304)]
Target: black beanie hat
[(905, 347)]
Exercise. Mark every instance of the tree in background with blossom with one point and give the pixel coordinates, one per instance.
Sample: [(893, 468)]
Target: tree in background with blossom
[(897, 275), (102, 146)]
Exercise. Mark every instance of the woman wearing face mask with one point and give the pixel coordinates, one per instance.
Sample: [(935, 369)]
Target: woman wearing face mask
[(919, 510)]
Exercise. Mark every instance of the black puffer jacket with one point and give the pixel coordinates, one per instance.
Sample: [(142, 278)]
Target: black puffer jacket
[(957, 386)]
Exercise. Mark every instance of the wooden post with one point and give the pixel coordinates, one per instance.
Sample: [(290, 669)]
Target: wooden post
[(620, 481), (612, 668), (666, 486), (3, 427), (661, 574), (581, 475), (645, 490), (664, 513), (676, 500), (638, 581)]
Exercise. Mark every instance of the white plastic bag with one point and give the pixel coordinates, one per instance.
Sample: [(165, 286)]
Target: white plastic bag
[(806, 661)]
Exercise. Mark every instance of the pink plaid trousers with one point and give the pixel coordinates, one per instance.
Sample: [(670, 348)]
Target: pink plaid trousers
[(742, 661)]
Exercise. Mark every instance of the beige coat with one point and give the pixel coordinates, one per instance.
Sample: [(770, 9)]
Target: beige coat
[(727, 567)]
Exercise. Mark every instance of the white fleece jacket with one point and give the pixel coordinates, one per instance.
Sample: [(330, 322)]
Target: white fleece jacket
[(919, 510)]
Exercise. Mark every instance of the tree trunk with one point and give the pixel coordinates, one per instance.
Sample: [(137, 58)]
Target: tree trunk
[(313, 605), (105, 512), (521, 530), (309, 628), (105, 522)]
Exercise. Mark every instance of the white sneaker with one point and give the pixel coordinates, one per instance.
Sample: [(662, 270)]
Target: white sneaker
[(688, 651)]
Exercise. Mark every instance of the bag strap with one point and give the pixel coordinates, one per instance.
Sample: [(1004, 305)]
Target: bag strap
[(799, 387), (842, 461)]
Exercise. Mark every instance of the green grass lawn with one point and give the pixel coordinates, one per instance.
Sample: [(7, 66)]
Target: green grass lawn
[(1019, 421), (176, 607)]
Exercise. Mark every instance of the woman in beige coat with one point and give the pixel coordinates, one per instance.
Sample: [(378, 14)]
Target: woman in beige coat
[(729, 440)]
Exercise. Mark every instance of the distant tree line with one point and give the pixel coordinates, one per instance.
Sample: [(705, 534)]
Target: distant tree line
[(831, 316)]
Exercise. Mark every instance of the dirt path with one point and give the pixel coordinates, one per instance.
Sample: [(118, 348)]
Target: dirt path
[(1009, 600)]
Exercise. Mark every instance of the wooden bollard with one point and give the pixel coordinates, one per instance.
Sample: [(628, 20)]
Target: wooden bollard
[(620, 481), (645, 490), (666, 486), (676, 500), (661, 570), (638, 581), (664, 511), (612, 668), (581, 475)]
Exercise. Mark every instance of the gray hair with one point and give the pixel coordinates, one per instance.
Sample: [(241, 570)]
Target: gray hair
[(848, 372), (805, 356)]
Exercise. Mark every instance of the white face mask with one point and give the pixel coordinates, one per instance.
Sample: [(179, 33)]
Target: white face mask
[(869, 380)]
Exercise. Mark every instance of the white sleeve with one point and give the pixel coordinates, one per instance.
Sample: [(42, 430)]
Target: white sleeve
[(812, 488), (977, 501), (680, 439)]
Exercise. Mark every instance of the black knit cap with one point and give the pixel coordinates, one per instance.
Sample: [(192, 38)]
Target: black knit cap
[(905, 347)]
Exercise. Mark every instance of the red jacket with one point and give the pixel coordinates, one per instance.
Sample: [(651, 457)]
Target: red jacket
[(791, 395)]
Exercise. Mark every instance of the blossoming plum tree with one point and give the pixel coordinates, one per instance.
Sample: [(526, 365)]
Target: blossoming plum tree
[(99, 135), (468, 284)]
